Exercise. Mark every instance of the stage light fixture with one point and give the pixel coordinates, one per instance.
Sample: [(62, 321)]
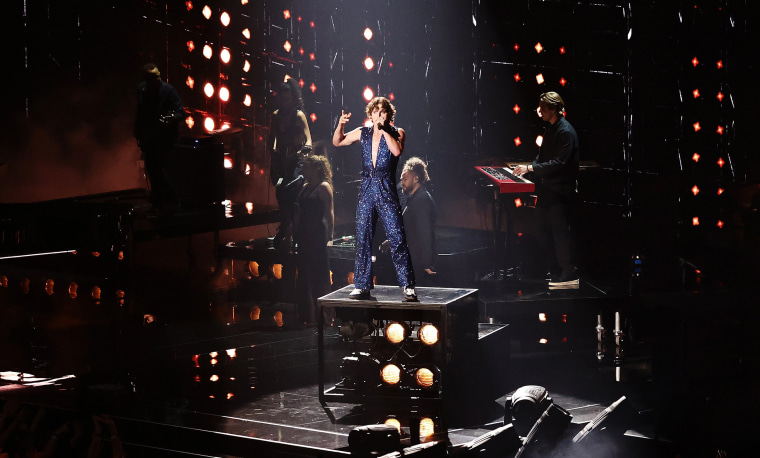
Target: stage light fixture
[(518, 142), (695, 157), (695, 221), (721, 162), (720, 224), (367, 34), (225, 56), (719, 64), (694, 61), (695, 93), (312, 56), (540, 78), (720, 130), (206, 12), (190, 122), (396, 332), (189, 5), (286, 14), (287, 46), (424, 377), (516, 109), (73, 290), (517, 77), (427, 427), (209, 124), (368, 94), (246, 66), (255, 313), (538, 48), (373, 440), (208, 89), (224, 94), (719, 96), (695, 190), (225, 19), (313, 87), (369, 64), (721, 191), (278, 319), (313, 117), (190, 82), (539, 140), (562, 50), (228, 162), (541, 317), (359, 371), (246, 33), (697, 127), (391, 421), (247, 100), (391, 374), (207, 52), (562, 81), (428, 334), (190, 45), (516, 47)]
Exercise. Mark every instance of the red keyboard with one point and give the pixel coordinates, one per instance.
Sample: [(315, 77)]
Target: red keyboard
[(506, 180)]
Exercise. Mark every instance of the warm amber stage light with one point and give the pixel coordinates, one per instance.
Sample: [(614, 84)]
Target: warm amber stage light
[(391, 374), (428, 334), (395, 332), (368, 34), (368, 94), (369, 64), (393, 422), (425, 377), (427, 427)]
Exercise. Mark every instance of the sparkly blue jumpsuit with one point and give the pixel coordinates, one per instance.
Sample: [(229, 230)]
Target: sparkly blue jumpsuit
[(378, 197)]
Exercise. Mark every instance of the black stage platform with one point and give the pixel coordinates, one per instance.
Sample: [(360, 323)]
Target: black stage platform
[(201, 361)]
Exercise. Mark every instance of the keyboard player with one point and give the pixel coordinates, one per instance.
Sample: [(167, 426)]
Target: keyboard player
[(555, 174)]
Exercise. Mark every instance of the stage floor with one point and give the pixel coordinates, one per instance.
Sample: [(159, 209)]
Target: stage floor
[(209, 362)]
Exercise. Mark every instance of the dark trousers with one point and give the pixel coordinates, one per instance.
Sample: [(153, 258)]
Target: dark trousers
[(162, 191), (555, 232)]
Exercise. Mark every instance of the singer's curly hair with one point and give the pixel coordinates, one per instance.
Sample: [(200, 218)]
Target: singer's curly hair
[(322, 165), (384, 103), (418, 167)]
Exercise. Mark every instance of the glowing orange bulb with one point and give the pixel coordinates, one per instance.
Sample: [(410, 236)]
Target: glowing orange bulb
[(695, 157), (207, 52), (247, 100), (695, 93), (368, 94), (540, 78), (719, 96), (224, 94), (225, 55), (190, 122), (367, 34), (720, 64), (562, 50), (562, 81), (225, 19), (518, 142), (209, 124), (206, 12), (539, 140), (694, 61), (697, 127), (190, 45), (516, 108), (369, 64), (246, 33), (516, 47), (313, 87), (695, 221), (719, 130), (517, 77), (721, 191), (313, 117), (287, 46), (425, 377), (518, 203), (246, 66), (427, 427), (208, 89), (538, 47), (695, 190), (286, 14), (721, 162), (190, 82), (391, 374), (720, 224)]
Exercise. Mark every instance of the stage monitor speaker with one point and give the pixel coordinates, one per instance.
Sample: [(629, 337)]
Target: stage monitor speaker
[(195, 168)]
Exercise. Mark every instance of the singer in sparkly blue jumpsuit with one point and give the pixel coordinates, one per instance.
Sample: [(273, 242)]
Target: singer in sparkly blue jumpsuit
[(378, 197), (382, 144)]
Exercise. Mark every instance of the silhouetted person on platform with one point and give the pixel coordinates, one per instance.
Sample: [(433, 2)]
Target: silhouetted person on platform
[(289, 143), (159, 112), (419, 220), (382, 144), (555, 173), (314, 223)]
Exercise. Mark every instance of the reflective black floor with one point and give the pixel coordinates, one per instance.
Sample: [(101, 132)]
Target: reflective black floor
[(193, 356)]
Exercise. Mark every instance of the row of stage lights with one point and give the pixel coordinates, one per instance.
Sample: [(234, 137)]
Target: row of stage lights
[(364, 371), (720, 130)]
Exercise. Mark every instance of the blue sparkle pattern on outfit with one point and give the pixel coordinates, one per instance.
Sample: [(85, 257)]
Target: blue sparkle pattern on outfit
[(378, 197)]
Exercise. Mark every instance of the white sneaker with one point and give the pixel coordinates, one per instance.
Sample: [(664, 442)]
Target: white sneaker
[(409, 293), (359, 294)]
